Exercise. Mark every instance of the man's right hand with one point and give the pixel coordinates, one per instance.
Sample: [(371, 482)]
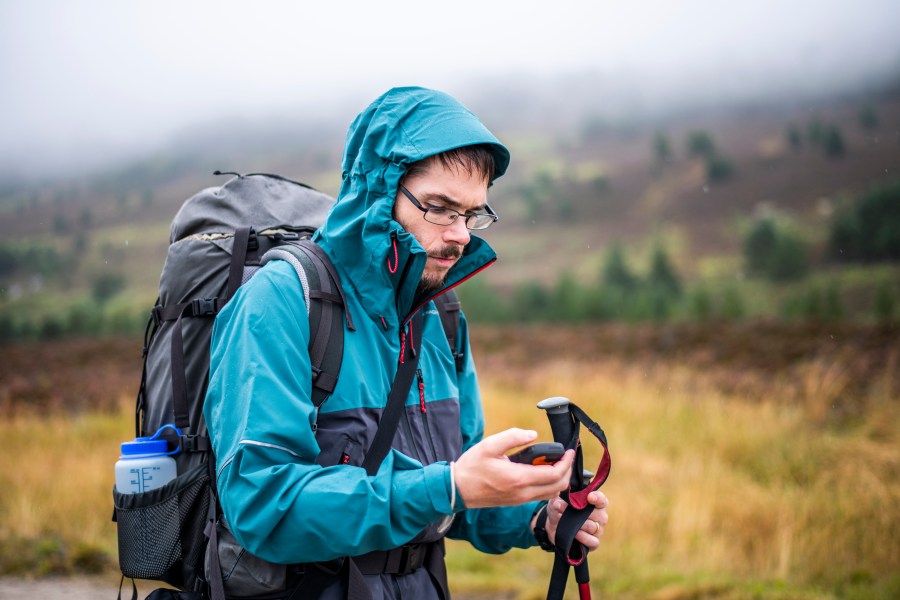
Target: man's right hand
[(486, 477)]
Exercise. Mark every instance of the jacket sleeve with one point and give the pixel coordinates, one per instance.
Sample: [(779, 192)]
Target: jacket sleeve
[(278, 502), (498, 529)]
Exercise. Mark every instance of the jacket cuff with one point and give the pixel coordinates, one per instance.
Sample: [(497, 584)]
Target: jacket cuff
[(438, 482)]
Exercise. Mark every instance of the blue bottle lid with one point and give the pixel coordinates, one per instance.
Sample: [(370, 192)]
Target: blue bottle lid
[(151, 445), (145, 445)]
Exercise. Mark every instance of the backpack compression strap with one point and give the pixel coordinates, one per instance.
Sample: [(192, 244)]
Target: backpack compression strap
[(244, 246)]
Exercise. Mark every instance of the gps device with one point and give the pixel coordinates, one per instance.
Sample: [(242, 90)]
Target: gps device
[(542, 453)]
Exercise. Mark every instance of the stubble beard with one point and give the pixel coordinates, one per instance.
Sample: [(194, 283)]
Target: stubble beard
[(432, 282)]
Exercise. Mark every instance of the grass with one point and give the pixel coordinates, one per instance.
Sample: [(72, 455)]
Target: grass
[(57, 503), (719, 489)]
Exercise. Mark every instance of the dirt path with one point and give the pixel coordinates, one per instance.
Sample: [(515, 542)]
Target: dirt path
[(86, 588), (59, 588)]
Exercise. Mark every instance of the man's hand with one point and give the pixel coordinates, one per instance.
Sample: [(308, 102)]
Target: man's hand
[(591, 530), (486, 477)]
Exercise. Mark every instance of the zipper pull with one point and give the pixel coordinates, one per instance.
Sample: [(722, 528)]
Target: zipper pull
[(421, 389)]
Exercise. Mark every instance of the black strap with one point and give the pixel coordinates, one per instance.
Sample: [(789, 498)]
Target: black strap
[(134, 592), (244, 243), (570, 553), (449, 307), (390, 418), (240, 247)]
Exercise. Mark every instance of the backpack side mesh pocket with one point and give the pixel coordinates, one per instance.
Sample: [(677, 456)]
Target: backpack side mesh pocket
[(161, 531)]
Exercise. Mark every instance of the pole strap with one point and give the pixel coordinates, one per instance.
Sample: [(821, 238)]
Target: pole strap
[(570, 553)]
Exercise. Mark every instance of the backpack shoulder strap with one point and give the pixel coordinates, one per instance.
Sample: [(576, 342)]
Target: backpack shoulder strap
[(448, 306), (326, 308)]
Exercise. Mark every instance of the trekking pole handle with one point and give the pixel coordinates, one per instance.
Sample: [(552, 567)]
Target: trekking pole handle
[(561, 423)]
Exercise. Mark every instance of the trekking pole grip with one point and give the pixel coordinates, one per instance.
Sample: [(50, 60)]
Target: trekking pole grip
[(561, 424)]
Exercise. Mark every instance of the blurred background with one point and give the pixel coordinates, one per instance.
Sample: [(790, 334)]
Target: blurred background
[(701, 224)]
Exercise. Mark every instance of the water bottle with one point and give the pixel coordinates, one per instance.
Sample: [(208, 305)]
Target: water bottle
[(145, 464)]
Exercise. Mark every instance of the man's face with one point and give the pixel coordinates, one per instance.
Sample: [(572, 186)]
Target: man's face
[(439, 186)]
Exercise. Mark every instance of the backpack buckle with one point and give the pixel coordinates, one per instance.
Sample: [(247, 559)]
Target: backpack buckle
[(202, 307), (194, 443)]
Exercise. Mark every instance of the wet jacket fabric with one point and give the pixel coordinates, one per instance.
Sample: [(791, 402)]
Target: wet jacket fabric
[(288, 478)]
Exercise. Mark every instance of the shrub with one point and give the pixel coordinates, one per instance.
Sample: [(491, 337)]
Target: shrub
[(885, 303), (480, 302), (774, 252), (758, 244), (718, 167), (788, 261), (833, 142), (700, 305), (732, 305), (662, 149), (616, 273), (813, 302), (569, 299), (700, 145), (868, 117), (869, 231), (106, 286), (794, 137), (663, 276)]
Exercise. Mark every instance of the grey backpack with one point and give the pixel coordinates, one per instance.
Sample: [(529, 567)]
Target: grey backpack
[(219, 238)]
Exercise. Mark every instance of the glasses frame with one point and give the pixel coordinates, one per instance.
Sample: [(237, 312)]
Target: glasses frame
[(456, 214)]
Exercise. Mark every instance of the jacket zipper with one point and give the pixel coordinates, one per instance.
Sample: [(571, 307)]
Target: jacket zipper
[(424, 413)]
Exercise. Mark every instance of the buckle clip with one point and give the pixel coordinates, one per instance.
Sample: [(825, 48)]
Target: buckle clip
[(202, 307), (411, 558), (193, 443)]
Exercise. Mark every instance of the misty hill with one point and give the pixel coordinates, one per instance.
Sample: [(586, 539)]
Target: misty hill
[(581, 181)]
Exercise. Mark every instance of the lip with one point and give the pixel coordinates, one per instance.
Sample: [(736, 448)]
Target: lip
[(444, 262)]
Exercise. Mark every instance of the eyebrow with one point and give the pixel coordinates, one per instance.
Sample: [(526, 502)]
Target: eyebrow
[(451, 203)]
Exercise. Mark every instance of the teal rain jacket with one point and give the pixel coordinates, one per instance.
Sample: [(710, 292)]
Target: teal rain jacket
[(288, 479)]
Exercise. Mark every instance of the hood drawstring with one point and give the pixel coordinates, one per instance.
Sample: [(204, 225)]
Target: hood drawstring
[(393, 269)]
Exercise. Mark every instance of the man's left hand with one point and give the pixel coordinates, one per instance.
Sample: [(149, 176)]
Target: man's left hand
[(591, 530)]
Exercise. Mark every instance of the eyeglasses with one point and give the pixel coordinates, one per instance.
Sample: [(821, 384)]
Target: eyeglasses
[(441, 215)]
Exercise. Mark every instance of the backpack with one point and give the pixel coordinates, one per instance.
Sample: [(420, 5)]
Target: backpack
[(218, 240)]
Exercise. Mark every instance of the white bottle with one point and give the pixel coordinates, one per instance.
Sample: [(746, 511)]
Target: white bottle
[(145, 465)]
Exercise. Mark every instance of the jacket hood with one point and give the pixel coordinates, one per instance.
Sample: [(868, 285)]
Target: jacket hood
[(373, 253)]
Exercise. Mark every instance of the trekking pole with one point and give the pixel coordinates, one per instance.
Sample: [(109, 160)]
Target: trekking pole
[(565, 429)]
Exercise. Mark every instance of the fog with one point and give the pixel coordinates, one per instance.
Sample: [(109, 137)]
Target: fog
[(89, 83)]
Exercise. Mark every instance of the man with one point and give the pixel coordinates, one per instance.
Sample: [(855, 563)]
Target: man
[(416, 171)]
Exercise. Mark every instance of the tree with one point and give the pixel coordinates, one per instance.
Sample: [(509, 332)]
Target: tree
[(794, 137), (788, 260), (758, 244), (868, 117), (700, 145), (663, 276), (833, 142), (718, 167), (774, 252), (106, 286), (869, 231), (662, 150), (616, 273)]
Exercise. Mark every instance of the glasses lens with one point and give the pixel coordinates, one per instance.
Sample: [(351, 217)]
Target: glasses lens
[(441, 216), (480, 221)]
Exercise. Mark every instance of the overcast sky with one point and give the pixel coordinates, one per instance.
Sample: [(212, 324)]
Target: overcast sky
[(83, 77)]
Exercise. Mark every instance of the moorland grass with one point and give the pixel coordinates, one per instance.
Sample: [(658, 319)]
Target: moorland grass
[(713, 493)]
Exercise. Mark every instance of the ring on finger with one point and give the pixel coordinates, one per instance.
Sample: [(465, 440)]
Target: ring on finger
[(596, 527)]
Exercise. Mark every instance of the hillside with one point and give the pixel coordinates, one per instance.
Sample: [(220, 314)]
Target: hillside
[(573, 190)]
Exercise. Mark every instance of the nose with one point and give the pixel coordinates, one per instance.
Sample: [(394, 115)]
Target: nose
[(457, 232)]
